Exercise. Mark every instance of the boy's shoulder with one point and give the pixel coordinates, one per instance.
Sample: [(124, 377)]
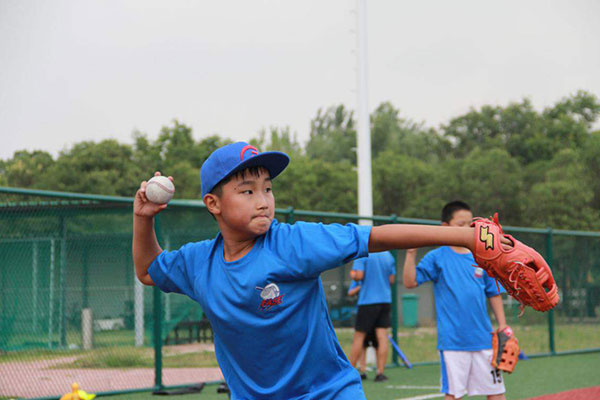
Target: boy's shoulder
[(200, 247), (314, 233), (444, 255), (438, 252), (298, 226), (308, 226), (437, 256)]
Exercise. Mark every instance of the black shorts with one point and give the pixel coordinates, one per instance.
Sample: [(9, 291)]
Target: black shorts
[(373, 316), (371, 340)]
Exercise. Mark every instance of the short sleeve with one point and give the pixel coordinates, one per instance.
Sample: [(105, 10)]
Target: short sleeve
[(317, 247), (427, 269), (359, 264), (172, 271), (491, 289), (392, 263)]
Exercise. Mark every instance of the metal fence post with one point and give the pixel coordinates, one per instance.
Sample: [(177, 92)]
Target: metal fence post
[(289, 218), (158, 314), (549, 259), (62, 301), (394, 220)]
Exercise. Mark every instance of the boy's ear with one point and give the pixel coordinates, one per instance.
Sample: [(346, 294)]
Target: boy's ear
[(212, 202)]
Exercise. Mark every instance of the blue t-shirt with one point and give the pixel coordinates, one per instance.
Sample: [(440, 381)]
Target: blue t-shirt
[(376, 282), (460, 291), (273, 335)]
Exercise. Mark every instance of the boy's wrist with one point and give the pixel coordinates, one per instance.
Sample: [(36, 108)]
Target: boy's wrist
[(142, 217)]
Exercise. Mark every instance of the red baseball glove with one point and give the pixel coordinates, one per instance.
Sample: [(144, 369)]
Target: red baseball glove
[(521, 270), (505, 347)]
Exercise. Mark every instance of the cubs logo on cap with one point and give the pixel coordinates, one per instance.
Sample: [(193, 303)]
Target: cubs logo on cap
[(228, 160)]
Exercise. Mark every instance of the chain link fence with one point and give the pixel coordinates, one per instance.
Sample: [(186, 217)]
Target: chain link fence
[(72, 310)]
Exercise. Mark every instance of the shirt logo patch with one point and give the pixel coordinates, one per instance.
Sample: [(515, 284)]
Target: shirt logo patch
[(270, 296), (478, 272)]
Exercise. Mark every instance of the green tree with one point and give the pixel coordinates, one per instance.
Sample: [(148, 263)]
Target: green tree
[(527, 135), (175, 153), (582, 107), (177, 144), (106, 167), (187, 180), (488, 181), (279, 139), (333, 136), (476, 129), (397, 179), (26, 168), (391, 132), (564, 199), (523, 134), (313, 184), (590, 155), (146, 155)]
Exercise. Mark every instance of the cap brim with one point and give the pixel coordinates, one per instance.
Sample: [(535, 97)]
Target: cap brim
[(274, 161)]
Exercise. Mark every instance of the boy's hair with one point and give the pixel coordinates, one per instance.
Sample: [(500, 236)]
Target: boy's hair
[(254, 171), (452, 207)]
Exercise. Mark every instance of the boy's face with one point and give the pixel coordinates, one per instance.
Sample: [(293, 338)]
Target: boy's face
[(247, 204), (460, 218)]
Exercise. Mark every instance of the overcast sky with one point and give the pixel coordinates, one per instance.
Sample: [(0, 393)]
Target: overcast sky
[(74, 70)]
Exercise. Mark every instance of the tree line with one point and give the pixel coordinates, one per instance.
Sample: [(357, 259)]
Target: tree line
[(536, 168)]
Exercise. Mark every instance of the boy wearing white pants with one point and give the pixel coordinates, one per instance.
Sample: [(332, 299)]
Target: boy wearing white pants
[(470, 372), (464, 328)]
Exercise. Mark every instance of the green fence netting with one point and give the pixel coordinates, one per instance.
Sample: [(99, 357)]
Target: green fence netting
[(71, 309)]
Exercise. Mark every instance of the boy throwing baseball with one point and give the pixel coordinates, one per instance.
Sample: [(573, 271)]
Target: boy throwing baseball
[(258, 280)]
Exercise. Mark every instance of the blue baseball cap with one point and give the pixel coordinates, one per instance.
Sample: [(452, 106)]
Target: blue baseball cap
[(228, 160)]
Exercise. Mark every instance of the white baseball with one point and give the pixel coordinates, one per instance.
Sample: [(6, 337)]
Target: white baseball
[(160, 190)]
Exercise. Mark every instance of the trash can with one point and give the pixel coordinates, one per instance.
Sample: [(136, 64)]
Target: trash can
[(410, 309)]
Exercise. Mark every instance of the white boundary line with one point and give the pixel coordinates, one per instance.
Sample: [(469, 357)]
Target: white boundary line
[(424, 397), (411, 387), (421, 397)]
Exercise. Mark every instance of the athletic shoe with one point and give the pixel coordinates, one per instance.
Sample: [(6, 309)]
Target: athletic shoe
[(381, 378), (223, 388), (363, 377)]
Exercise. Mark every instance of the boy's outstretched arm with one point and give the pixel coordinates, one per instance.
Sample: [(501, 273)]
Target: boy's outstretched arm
[(400, 236), (409, 273), (145, 245)]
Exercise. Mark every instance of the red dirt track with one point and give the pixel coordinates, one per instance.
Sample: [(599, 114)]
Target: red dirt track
[(40, 378), (590, 393)]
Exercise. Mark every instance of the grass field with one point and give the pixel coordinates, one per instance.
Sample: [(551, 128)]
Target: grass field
[(115, 349), (532, 377)]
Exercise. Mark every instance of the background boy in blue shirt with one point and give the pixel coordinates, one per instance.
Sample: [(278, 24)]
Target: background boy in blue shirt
[(464, 328), (370, 338), (377, 273), (258, 280)]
